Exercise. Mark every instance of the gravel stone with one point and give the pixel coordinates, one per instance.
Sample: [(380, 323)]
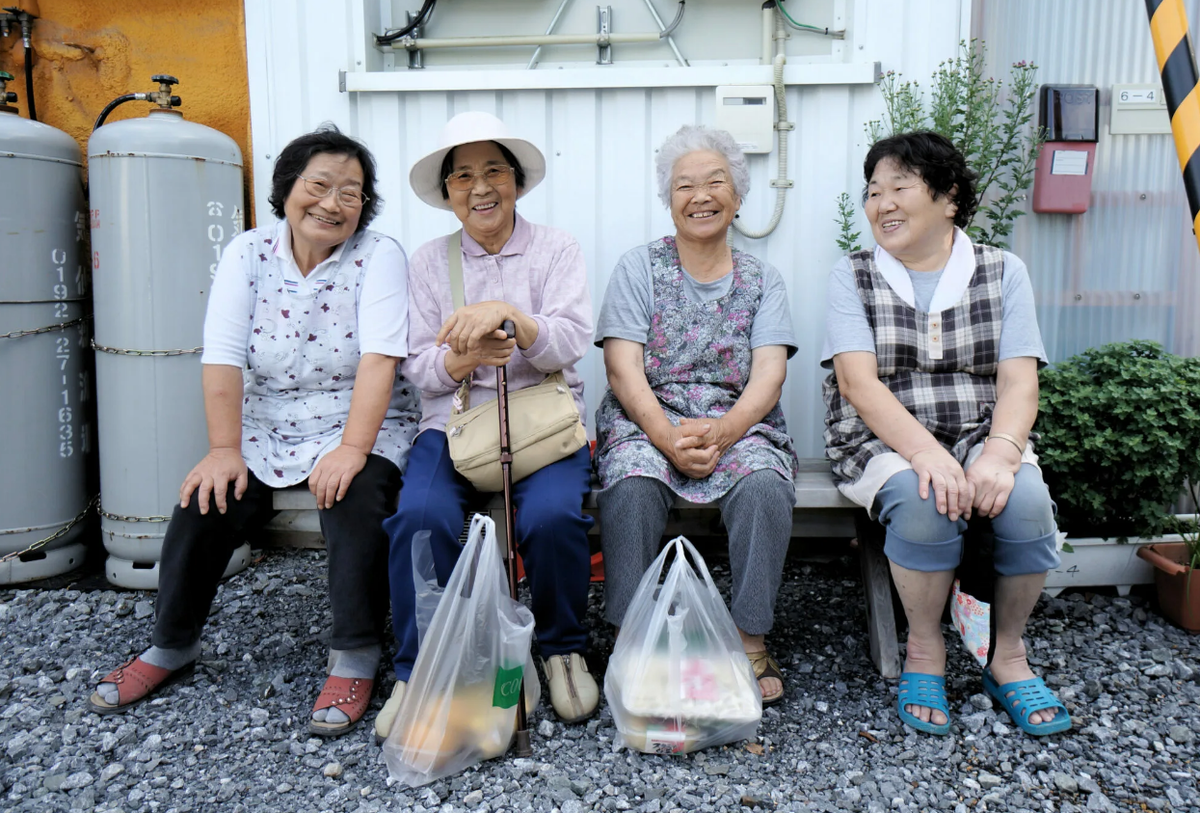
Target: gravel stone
[(232, 738), (981, 701), (1181, 734)]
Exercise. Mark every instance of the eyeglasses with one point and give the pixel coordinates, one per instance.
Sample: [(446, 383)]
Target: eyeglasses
[(320, 189), (711, 187), (464, 180)]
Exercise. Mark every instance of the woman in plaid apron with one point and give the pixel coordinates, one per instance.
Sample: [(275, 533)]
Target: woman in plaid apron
[(935, 350)]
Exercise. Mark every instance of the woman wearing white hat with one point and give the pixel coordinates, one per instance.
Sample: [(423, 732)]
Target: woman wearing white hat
[(534, 276)]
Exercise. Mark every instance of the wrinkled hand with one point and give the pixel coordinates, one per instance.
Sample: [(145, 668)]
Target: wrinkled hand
[(475, 331), (331, 477), (992, 478), (720, 432), (953, 493), (684, 446), (211, 478)]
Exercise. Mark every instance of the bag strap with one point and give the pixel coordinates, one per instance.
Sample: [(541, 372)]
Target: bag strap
[(454, 255), (681, 543), (462, 398)]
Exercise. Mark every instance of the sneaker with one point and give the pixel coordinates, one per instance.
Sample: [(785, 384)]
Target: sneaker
[(387, 715), (573, 691)]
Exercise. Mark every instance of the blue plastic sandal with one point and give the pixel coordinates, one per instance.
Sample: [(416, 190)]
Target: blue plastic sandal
[(917, 689), (1022, 698)]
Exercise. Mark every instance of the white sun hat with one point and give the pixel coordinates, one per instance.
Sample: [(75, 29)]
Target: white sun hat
[(466, 128)]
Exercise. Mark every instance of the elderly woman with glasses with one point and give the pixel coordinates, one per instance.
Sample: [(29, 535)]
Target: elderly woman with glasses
[(306, 322), (535, 276), (696, 337)]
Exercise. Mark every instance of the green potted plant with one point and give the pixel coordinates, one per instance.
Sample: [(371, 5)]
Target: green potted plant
[(1120, 436)]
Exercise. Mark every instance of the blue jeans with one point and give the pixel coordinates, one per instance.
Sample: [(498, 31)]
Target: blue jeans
[(919, 538), (551, 536)]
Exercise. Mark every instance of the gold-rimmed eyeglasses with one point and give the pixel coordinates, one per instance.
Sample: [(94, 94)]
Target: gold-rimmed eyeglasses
[(321, 189), (464, 179)]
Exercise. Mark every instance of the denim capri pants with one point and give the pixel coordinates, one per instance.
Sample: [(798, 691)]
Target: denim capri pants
[(919, 538)]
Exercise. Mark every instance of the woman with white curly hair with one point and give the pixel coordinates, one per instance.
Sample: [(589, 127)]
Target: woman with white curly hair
[(696, 337)]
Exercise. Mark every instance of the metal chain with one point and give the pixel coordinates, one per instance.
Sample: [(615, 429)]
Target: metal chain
[(61, 532), (117, 351), (121, 518), (16, 334)]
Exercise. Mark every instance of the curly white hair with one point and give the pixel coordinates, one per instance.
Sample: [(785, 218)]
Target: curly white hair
[(690, 138)]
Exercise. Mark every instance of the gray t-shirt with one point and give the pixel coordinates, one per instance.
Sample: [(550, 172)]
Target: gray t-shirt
[(629, 303), (847, 329)]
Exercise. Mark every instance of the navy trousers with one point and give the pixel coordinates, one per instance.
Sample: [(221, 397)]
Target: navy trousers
[(551, 535)]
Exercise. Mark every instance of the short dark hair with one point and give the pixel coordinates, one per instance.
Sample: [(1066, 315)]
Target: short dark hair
[(325, 139), (938, 163), (448, 162)]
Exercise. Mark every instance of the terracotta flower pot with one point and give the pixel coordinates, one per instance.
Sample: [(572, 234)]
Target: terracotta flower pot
[(1171, 575)]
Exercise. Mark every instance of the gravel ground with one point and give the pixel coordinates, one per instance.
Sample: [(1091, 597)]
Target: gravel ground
[(232, 738)]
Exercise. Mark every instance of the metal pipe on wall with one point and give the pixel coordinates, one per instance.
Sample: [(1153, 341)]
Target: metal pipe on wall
[(598, 40), (533, 60), (663, 27)]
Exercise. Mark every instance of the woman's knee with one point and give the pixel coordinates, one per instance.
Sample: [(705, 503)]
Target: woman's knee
[(1029, 513), (636, 496), (918, 536), (902, 511), (1025, 531)]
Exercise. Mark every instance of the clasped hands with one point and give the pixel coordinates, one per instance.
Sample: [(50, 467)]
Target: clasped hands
[(985, 486), (696, 444), (474, 332)]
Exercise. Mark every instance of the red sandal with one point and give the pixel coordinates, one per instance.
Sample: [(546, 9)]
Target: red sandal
[(350, 695), (136, 680)]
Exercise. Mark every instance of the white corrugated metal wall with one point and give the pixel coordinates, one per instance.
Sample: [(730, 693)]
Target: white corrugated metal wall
[(600, 142), (1129, 267)]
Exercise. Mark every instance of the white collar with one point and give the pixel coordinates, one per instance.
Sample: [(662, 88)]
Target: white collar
[(953, 283), (283, 248)]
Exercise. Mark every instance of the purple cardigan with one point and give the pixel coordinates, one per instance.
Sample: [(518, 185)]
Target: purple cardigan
[(541, 271)]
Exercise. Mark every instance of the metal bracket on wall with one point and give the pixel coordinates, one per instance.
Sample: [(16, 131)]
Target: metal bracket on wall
[(604, 16), (415, 58)]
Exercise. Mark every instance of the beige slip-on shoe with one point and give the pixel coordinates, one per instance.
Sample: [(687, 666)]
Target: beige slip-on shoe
[(573, 691), (387, 715)]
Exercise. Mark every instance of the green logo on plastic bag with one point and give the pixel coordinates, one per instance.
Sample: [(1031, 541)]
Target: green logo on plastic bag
[(508, 688)]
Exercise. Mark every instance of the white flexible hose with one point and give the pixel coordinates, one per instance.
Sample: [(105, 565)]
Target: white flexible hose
[(782, 127)]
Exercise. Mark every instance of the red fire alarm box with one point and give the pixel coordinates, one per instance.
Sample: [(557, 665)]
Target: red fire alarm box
[(1063, 178)]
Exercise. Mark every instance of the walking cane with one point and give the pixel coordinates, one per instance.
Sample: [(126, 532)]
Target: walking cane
[(524, 749)]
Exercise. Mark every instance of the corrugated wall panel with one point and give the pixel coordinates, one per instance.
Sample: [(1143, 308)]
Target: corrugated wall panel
[(1128, 267), (600, 148)]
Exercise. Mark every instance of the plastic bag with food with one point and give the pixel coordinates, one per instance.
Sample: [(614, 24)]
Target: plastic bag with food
[(460, 706), (678, 679)]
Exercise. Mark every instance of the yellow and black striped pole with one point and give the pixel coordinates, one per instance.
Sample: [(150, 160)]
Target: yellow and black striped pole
[(1177, 64)]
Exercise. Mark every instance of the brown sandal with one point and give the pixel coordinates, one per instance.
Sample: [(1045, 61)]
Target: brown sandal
[(350, 695), (136, 680), (766, 667)]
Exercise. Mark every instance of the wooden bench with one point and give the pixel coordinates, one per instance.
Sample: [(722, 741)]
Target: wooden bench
[(821, 511)]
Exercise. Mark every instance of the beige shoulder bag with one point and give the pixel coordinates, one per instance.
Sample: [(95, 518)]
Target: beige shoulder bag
[(544, 425)]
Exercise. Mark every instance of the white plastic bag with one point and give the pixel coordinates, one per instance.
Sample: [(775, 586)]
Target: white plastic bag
[(678, 679), (460, 706)]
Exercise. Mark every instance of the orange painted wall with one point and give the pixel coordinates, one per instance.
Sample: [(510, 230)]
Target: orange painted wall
[(88, 52)]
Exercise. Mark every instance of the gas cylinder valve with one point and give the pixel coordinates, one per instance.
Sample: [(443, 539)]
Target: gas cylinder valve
[(6, 96), (162, 97)]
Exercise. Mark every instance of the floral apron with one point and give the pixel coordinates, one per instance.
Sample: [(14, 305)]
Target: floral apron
[(303, 358), (697, 360)]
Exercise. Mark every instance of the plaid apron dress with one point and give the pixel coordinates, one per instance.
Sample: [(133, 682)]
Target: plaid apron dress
[(940, 366)]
